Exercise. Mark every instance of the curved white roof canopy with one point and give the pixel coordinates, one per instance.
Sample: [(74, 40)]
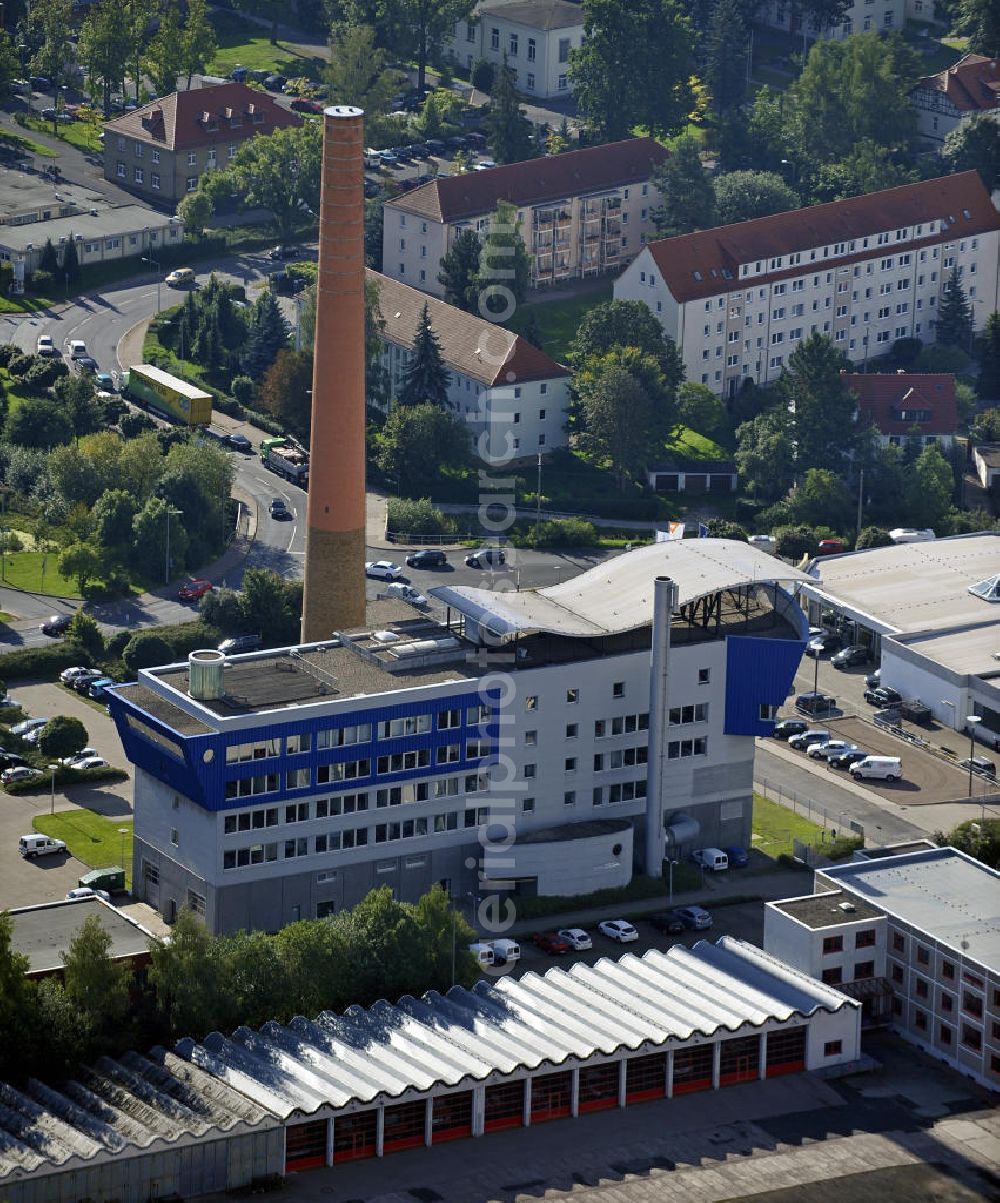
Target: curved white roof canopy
[(617, 595)]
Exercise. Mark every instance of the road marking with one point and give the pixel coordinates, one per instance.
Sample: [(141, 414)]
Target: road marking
[(291, 541)]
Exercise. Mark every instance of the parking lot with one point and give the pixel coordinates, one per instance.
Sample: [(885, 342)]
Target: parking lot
[(745, 920), (23, 882)]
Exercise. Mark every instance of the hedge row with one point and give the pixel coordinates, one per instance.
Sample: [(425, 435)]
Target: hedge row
[(45, 662), (66, 776)]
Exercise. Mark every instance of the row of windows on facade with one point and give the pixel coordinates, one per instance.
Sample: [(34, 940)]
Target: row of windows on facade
[(972, 1004), (351, 770), (513, 47), (93, 246), (139, 177), (949, 970), (573, 696), (211, 155), (357, 733), (970, 1038)]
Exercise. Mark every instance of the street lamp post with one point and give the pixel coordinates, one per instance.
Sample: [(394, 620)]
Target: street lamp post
[(973, 721), (166, 565), (52, 800), (670, 881), (123, 832)]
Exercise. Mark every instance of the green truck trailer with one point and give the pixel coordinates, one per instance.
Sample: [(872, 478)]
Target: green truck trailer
[(171, 398)]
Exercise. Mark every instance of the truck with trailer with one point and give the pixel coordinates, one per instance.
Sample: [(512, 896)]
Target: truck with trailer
[(168, 396), (286, 459)]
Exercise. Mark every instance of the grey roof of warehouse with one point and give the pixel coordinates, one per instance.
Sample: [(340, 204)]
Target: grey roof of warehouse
[(44, 933), (826, 910), (617, 595), (943, 892), (107, 223), (23, 192)]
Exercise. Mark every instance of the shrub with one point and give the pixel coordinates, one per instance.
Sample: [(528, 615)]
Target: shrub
[(62, 736), (146, 650), (41, 281), (482, 75), (873, 536), (794, 542), (421, 518), (229, 406), (7, 353), (43, 373), (46, 662), (19, 363), (242, 389), (66, 776), (562, 532)]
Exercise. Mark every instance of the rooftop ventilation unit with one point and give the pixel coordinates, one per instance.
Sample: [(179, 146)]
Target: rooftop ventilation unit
[(206, 674), (847, 907)]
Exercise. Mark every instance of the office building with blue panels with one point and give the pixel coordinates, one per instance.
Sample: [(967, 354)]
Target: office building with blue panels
[(549, 742)]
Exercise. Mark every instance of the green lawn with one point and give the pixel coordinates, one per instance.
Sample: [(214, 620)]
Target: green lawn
[(81, 134), (23, 570), (692, 445), (91, 838), (775, 827), (558, 317), (28, 144), (246, 44)]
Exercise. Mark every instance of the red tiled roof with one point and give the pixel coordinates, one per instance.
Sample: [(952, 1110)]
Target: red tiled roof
[(178, 121), (707, 263), (972, 84), (471, 345), (535, 181), (883, 396)]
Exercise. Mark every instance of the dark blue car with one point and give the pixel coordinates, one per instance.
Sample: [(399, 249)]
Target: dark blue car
[(738, 858)]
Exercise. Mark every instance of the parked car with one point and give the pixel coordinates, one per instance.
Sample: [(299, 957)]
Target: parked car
[(853, 654), (240, 443), (34, 845), (874, 680), (830, 547), (429, 557), (882, 696), (275, 83), (694, 917), (844, 760), (711, 858), (739, 858), (436, 146), (10, 760), (78, 893), (484, 165), (104, 382), (372, 189), (98, 692), (40, 83), (506, 952), (576, 938), (302, 105), (283, 252), (457, 142), (69, 675), (821, 645), (403, 154), (240, 643), (418, 151), (180, 277), (69, 761), (383, 570), (20, 773), (877, 768), (387, 158), (406, 593), (277, 509), (486, 557), (666, 922), (56, 625), (813, 735), (815, 704), (826, 748), (619, 930), (788, 727), (83, 681), (979, 765), (29, 724), (45, 346), (193, 590), (87, 363), (551, 942)]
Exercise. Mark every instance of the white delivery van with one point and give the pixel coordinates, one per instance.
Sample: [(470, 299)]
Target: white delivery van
[(711, 858), (506, 952), (878, 768), (77, 348), (33, 845), (483, 953)]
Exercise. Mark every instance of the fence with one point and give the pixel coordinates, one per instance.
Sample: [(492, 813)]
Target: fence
[(836, 823)]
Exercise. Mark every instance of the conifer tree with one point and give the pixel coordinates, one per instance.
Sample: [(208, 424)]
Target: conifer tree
[(426, 378), (954, 320)]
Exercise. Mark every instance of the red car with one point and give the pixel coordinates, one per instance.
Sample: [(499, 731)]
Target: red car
[(302, 105), (551, 942), (192, 590)]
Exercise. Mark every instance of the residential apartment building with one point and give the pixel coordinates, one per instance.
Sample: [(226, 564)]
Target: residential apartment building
[(535, 36), (907, 407), (582, 213), (505, 389), (943, 101), (918, 932), (507, 743), (867, 271), (863, 16), (162, 150)]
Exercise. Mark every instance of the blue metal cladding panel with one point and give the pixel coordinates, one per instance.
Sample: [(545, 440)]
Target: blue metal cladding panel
[(759, 672), (200, 770)]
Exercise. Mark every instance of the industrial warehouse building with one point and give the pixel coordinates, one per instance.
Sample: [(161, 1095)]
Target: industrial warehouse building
[(214, 1115), (929, 612)]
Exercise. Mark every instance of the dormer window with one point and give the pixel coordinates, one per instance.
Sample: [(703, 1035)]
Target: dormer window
[(697, 275)]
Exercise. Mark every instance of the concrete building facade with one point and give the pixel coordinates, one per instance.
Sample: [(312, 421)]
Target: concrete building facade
[(506, 390), (925, 922), (162, 150), (583, 213), (536, 37), (863, 16), (307, 776), (866, 271)]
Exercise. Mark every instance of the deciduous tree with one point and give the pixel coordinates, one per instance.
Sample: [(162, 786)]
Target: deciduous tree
[(164, 57), (634, 67), (868, 167), (83, 562), (425, 379), (743, 195), (39, 422), (614, 324), (57, 51), (198, 39), (17, 1012), (765, 456), (417, 443), (358, 74), (286, 390), (929, 488), (280, 172), (507, 127), (725, 53), (979, 20), (62, 736), (146, 649), (504, 267), (974, 145), (821, 407), (103, 49)]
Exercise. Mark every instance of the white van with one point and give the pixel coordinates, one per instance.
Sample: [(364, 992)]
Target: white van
[(483, 953), (506, 952), (77, 348), (31, 846), (766, 543), (878, 768), (910, 534), (711, 858)]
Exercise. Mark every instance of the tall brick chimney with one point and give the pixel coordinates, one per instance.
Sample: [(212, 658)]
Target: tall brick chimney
[(334, 596)]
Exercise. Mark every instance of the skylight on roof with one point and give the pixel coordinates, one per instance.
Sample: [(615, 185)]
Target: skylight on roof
[(988, 590)]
